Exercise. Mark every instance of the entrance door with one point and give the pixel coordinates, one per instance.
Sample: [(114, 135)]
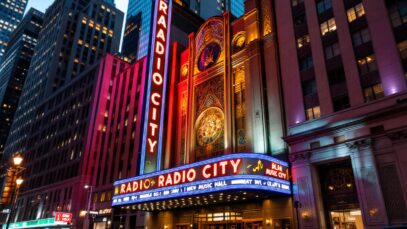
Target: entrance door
[(282, 224), (253, 225), (223, 226), (182, 227), (351, 219), (340, 197)]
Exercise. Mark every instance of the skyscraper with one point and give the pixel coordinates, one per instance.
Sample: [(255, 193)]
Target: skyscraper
[(139, 14), (343, 66), (140, 10), (11, 13), (53, 112), (210, 8), (110, 2), (75, 35), (14, 68)]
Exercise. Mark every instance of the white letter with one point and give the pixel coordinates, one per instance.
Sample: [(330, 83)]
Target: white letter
[(152, 145), (235, 165)]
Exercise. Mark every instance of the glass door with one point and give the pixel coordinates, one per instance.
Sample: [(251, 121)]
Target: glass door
[(351, 219), (253, 225), (223, 226)]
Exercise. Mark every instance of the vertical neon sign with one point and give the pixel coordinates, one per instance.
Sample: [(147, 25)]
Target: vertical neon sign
[(151, 152)]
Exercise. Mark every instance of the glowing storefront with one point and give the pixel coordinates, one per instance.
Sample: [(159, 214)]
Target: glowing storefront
[(222, 100)]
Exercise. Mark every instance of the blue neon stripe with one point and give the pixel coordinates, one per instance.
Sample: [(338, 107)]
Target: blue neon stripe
[(159, 153), (207, 191), (144, 141), (208, 161)]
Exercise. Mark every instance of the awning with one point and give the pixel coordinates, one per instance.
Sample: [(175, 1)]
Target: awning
[(217, 178)]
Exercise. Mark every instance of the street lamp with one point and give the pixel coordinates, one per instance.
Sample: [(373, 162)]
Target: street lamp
[(19, 181), (16, 169), (17, 159), (89, 187)]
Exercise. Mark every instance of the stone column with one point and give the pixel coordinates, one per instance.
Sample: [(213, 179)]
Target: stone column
[(367, 184), (306, 191)]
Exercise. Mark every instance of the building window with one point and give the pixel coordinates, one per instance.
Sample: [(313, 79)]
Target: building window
[(374, 92), (299, 20), (402, 46), (356, 12), (367, 64), (313, 112), (296, 2), (336, 76), (309, 87), (314, 145), (302, 41), (306, 63), (339, 139), (324, 5), (328, 26), (332, 50), (340, 103), (403, 49), (398, 13), (361, 37)]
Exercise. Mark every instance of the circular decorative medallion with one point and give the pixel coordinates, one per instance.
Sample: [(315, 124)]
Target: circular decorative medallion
[(209, 56), (209, 126)]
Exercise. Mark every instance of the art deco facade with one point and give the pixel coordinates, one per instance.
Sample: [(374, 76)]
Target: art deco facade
[(11, 13), (223, 109), (343, 67), (14, 68)]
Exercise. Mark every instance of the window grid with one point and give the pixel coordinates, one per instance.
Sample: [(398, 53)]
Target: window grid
[(355, 12), (328, 26)]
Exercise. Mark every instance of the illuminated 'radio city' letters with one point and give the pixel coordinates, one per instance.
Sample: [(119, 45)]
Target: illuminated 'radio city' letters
[(151, 151), (249, 171), (157, 77), (222, 168)]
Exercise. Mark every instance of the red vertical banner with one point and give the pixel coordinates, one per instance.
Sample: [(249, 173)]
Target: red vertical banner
[(151, 152)]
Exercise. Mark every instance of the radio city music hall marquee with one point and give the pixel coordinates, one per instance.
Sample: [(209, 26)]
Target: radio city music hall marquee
[(243, 171), (154, 116)]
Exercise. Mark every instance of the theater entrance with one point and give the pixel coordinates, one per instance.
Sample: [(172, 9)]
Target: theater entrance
[(341, 203), (223, 226), (225, 220), (237, 225)]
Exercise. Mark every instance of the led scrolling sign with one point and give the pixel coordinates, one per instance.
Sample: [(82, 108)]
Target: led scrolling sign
[(249, 171), (153, 126)]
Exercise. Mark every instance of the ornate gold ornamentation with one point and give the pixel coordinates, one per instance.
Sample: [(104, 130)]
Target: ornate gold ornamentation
[(209, 126), (184, 70), (211, 32), (239, 41), (266, 16)]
